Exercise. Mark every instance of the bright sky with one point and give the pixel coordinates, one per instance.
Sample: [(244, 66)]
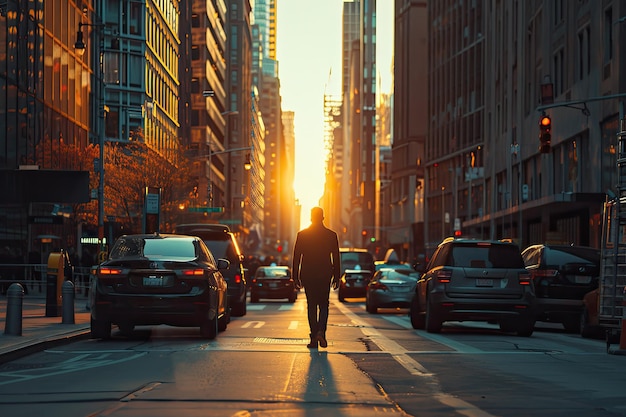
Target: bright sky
[(309, 49)]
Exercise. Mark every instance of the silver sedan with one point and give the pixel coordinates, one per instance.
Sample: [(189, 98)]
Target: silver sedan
[(391, 288)]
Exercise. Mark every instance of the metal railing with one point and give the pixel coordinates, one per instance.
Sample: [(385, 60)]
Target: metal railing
[(33, 278)]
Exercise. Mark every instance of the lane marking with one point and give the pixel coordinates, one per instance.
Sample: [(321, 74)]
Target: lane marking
[(253, 324), (459, 347), (293, 325), (399, 354), (77, 363)]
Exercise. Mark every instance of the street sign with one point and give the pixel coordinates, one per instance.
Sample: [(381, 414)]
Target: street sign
[(206, 209)]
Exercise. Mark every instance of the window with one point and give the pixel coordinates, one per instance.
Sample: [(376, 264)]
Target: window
[(111, 68), (136, 16), (608, 36), (559, 72), (112, 124), (135, 77)]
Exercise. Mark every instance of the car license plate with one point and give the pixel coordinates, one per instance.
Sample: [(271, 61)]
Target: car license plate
[(401, 288), (273, 285), (152, 281), (484, 282), (582, 279)]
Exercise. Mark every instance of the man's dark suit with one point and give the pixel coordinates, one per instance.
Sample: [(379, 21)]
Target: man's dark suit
[(315, 263)]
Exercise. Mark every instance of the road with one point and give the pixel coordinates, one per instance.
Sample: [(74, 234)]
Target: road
[(374, 365)]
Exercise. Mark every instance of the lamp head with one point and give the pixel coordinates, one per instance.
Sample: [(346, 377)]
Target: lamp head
[(80, 43)]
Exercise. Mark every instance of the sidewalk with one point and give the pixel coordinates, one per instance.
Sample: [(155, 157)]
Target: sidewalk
[(39, 331)]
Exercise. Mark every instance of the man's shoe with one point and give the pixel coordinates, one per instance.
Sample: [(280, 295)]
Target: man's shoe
[(313, 343), (321, 338)]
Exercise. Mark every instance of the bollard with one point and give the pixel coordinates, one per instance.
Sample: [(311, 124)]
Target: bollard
[(68, 302), (15, 300)]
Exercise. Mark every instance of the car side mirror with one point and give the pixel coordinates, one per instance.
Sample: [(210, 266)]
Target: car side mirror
[(223, 264)]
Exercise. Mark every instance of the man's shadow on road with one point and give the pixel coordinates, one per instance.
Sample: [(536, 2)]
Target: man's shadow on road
[(320, 385)]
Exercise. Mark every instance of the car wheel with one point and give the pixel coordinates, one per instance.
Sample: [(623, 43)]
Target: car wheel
[(222, 322), (572, 325), (292, 299), (209, 329), (589, 331), (126, 328), (525, 328), (432, 322), (508, 325), (417, 319), (100, 329), (341, 297), (372, 309), (239, 308), (254, 298)]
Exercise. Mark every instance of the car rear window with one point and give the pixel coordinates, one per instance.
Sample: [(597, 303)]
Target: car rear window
[(223, 249), (569, 255), (356, 260), (273, 272), (154, 248), (486, 256)]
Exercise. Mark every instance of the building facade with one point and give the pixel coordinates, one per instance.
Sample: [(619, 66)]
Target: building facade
[(494, 71), (405, 231)]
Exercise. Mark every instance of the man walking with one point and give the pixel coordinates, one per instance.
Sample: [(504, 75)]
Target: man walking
[(315, 265)]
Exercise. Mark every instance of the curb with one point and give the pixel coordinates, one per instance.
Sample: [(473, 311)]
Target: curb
[(44, 343)]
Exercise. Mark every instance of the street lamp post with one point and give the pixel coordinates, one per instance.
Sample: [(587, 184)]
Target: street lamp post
[(80, 47)]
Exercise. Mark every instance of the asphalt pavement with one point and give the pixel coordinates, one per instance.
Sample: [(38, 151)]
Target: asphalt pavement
[(42, 325)]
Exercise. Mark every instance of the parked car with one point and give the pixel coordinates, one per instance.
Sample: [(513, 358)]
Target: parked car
[(273, 282), (353, 283), (475, 280), (223, 244), (391, 260), (562, 275), (394, 265), (390, 287), (356, 258), (152, 279)]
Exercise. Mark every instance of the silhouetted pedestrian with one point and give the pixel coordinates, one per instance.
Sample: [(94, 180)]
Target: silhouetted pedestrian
[(316, 265)]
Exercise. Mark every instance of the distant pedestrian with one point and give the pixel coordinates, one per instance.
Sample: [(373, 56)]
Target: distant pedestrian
[(316, 266)]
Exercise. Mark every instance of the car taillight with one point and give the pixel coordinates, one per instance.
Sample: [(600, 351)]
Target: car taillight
[(193, 272), (108, 271), (378, 286), (237, 279), (444, 275), (524, 278), (543, 273)]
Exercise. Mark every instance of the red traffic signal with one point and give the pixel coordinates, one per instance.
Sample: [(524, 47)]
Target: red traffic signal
[(545, 133)]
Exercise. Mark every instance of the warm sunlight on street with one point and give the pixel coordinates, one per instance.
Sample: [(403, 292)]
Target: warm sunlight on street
[(310, 67)]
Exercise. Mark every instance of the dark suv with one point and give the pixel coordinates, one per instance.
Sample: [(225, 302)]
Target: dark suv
[(475, 280), (223, 244), (562, 275), (356, 258)]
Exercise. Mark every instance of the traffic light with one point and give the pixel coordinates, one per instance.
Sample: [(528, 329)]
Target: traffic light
[(545, 133)]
